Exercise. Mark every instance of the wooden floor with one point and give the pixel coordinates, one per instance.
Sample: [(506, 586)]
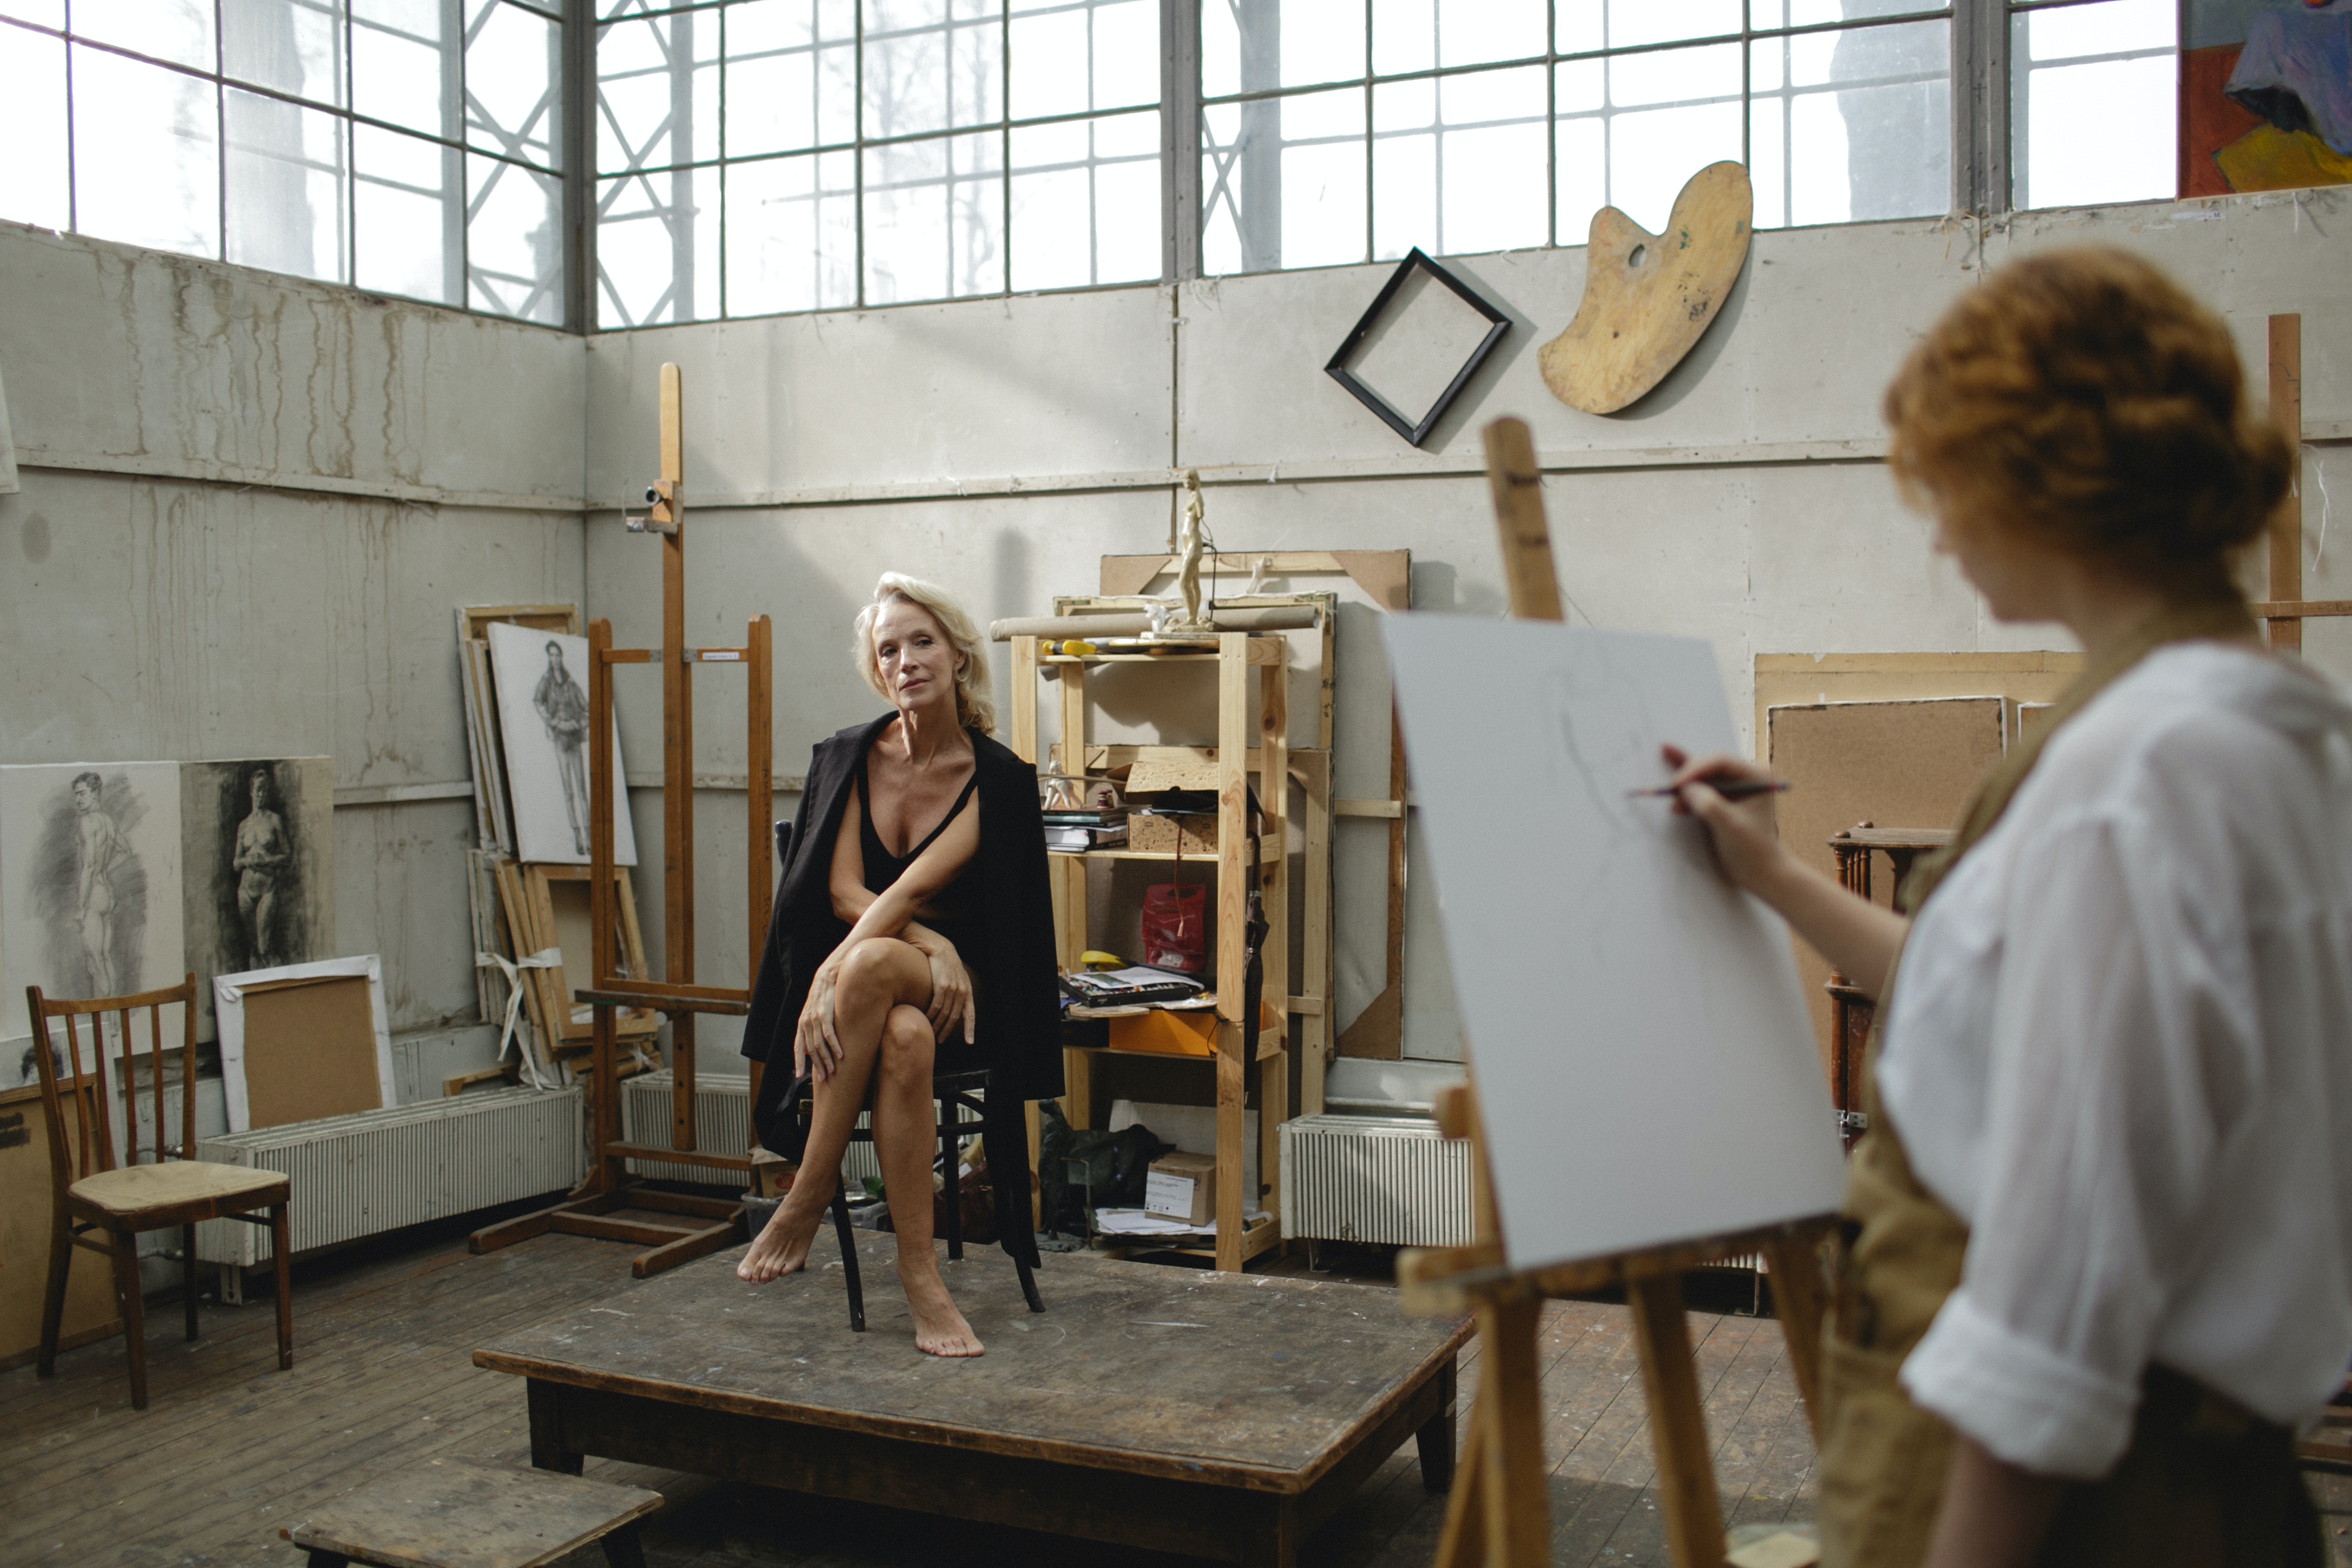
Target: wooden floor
[(230, 1449)]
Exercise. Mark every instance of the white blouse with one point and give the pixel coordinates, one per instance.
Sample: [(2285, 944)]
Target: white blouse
[(2121, 1051)]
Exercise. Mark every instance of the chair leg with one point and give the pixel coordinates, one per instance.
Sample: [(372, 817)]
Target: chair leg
[(954, 1187), (279, 1246), (188, 1277), (842, 1228), (1029, 1285), (125, 1246), (53, 1302)]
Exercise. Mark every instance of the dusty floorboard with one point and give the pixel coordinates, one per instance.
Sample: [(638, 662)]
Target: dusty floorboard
[(230, 1449)]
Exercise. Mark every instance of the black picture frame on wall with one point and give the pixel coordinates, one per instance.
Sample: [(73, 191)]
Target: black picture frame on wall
[(1416, 432)]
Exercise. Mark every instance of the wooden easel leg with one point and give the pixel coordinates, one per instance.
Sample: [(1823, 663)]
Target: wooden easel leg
[(1510, 1419), (1799, 1297), (1677, 1425), (1463, 1542)]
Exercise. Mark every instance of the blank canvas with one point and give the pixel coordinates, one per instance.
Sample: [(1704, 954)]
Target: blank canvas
[(304, 1041), (1643, 1067)]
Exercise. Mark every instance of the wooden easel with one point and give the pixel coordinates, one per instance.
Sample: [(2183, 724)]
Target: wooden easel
[(608, 1186), (1498, 1513), (2286, 608)]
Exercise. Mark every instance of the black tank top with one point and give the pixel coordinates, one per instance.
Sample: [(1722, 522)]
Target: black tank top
[(947, 911)]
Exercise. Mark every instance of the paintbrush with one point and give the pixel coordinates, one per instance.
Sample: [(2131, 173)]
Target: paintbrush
[(1730, 789)]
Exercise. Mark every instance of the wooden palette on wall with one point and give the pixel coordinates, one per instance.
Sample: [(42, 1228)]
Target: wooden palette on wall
[(1648, 299)]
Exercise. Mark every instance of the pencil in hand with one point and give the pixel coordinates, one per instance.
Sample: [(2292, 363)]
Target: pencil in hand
[(1729, 789)]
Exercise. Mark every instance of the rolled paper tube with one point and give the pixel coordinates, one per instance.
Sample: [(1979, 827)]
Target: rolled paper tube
[(1263, 618)]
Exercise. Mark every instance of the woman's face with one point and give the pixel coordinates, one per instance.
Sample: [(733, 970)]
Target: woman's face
[(2017, 574), (912, 651)]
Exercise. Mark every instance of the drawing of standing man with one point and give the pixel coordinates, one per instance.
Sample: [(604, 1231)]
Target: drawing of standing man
[(562, 706), (99, 845)]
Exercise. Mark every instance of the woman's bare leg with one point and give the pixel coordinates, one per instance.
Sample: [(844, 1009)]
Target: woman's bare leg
[(906, 1135), (872, 981)]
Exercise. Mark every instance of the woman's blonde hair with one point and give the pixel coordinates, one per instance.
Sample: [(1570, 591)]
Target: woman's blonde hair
[(974, 709)]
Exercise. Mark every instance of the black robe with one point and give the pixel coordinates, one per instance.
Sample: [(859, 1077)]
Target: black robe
[(1019, 1019)]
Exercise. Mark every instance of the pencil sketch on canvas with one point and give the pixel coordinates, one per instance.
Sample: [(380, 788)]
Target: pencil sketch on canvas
[(1642, 1057), (258, 863), (90, 889), (543, 690)]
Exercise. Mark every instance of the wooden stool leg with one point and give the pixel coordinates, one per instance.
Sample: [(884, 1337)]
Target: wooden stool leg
[(1462, 1543), (1510, 1408), (134, 1323), (322, 1558), (953, 1185), (1677, 1425), (1029, 1285), (1799, 1297), (281, 1249), (188, 1276), (1434, 1439), (53, 1302), (843, 1229), (622, 1548)]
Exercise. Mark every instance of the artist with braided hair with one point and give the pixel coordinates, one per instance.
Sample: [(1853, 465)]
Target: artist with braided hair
[(2097, 1265)]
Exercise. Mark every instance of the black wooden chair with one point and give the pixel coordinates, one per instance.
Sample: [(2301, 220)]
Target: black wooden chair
[(956, 1094)]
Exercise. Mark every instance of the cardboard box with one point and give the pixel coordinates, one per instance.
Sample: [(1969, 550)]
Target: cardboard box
[(1161, 835), (1181, 1187)]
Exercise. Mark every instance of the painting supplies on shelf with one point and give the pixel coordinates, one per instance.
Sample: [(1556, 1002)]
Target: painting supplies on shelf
[(1137, 986), (1077, 831)]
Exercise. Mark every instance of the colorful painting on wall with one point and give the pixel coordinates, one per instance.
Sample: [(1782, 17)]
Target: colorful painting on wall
[(2265, 95)]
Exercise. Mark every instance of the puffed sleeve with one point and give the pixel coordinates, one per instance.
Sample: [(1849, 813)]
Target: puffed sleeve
[(2120, 1063)]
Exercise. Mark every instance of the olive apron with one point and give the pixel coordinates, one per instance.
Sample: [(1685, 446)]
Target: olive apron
[(2204, 1480)]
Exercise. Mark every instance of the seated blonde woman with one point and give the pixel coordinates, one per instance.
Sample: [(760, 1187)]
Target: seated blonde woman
[(912, 935)]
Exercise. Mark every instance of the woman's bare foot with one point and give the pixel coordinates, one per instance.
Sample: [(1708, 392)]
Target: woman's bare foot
[(781, 1248), (939, 1329)]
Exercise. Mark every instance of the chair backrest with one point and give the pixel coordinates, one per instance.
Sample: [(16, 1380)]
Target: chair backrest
[(92, 1105)]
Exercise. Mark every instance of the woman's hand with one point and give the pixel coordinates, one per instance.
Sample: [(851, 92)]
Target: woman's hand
[(950, 988), (817, 1048), (1746, 842)]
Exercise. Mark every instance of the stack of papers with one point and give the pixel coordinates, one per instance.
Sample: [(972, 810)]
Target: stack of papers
[(1135, 1222)]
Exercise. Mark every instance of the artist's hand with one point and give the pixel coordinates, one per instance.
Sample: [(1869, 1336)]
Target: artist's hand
[(1747, 843), (816, 1050), (951, 991)]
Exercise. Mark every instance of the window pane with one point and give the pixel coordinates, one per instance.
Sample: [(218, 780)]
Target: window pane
[(657, 247), (288, 46), (179, 30), (33, 176), (514, 77), (1808, 13), (1582, 25), (1625, 141), (791, 82), (1283, 181), (791, 234), (1415, 35), (1248, 45), (514, 240), (1860, 128), (407, 228), (934, 219), (287, 175), (1068, 58), (657, 92), (1469, 173), (146, 155), (925, 70), (1086, 202), (397, 66), (2090, 130)]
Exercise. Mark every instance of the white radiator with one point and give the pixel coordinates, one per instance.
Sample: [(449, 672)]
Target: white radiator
[(374, 1171), (1374, 1179), (722, 1125)]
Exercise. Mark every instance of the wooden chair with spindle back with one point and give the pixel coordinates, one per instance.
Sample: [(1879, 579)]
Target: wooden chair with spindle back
[(104, 1206)]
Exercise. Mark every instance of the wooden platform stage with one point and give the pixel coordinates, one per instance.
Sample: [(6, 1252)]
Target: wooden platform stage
[(1219, 1416)]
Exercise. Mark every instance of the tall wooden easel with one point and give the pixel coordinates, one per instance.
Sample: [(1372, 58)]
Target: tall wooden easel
[(2286, 608), (608, 1187), (1498, 1513)]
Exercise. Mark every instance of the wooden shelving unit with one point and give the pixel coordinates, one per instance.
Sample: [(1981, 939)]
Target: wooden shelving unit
[(1231, 767)]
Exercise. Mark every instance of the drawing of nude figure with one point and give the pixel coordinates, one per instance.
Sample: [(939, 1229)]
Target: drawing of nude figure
[(97, 847), (262, 862), (562, 707)]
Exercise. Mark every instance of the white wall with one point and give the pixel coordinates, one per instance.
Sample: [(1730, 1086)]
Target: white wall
[(249, 506)]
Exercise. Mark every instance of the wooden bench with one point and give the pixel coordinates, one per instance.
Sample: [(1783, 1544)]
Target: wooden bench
[(442, 1514)]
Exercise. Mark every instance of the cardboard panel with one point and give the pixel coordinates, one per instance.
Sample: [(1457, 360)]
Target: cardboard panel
[(25, 1210), (1889, 764), (310, 1050)]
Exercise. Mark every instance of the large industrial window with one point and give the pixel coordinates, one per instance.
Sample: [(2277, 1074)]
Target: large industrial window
[(2093, 101), (756, 156), (1470, 125), (411, 146)]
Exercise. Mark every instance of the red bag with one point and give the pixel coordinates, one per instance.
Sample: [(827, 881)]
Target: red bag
[(1176, 928)]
